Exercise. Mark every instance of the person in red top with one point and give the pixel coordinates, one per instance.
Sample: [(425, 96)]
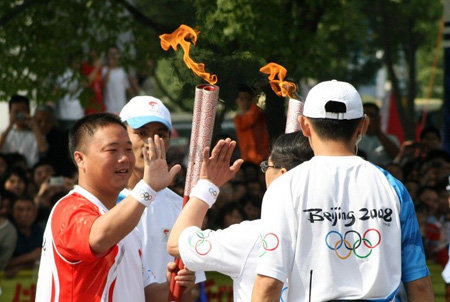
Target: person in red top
[(91, 249), (92, 71), (251, 127)]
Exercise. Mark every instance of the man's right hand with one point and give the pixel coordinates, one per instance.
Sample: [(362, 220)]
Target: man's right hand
[(156, 172), (216, 168)]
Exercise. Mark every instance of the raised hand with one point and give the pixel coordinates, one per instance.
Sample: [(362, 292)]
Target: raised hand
[(156, 172), (216, 168)]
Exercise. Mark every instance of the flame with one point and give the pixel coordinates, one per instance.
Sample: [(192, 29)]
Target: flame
[(280, 87), (179, 36)]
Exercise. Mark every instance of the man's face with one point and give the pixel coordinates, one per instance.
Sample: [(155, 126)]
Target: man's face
[(140, 136), (42, 173), (44, 121), (19, 113), (24, 213), (374, 120), (107, 160), (243, 101), (15, 184)]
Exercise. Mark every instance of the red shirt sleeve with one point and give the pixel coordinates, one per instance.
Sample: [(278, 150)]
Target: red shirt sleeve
[(71, 224)]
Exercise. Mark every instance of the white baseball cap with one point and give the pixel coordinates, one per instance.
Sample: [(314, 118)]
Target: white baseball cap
[(333, 100), (142, 110)]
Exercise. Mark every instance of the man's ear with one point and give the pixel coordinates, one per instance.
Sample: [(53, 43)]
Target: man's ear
[(365, 124), (304, 126), (283, 170), (79, 159)]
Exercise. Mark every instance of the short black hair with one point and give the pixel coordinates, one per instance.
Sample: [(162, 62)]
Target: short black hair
[(87, 126), (18, 171), (335, 130), (17, 99), (372, 105), (290, 150), (430, 129), (247, 88)]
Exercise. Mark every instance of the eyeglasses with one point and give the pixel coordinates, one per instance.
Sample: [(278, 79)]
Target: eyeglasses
[(265, 166)]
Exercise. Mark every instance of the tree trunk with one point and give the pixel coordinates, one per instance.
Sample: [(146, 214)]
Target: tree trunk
[(406, 118)]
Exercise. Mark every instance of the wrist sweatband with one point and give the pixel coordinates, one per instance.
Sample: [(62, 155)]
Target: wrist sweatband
[(143, 193), (205, 191)]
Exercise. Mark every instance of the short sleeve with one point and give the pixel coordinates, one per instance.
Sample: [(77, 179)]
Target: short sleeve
[(413, 256), (209, 250), (279, 232), (71, 224)]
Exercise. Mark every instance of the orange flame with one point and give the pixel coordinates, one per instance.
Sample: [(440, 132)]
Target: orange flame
[(179, 36), (280, 87)]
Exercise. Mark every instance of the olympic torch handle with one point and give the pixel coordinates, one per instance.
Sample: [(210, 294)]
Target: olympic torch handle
[(175, 291)]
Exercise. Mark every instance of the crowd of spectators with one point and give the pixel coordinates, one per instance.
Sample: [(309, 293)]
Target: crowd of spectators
[(36, 171)]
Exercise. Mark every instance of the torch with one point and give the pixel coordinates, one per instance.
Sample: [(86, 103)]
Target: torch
[(205, 104), (284, 88)]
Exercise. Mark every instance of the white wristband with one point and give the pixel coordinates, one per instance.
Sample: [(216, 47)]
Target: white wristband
[(205, 191), (143, 193)]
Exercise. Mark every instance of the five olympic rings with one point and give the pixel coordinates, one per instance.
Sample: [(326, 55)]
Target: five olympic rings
[(353, 247)]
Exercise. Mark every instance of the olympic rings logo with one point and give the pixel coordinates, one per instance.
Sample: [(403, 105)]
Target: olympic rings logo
[(145, 195), (202, 246), (370, 240), (270, 242), (212, 192)]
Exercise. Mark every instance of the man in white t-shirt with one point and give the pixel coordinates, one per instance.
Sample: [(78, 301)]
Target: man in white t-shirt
[(92, 250), (233, 251), (23, 134), (146, 116), (115, 82), (380, 148), (339, 227)]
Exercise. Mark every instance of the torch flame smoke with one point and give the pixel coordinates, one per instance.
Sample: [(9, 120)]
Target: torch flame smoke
[(179, 36), (280, 87)]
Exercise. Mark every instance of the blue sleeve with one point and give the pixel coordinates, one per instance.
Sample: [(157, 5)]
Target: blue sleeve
[(413, 256)]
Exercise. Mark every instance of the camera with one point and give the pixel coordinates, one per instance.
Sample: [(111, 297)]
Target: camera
[(56, 181), (20, 116)]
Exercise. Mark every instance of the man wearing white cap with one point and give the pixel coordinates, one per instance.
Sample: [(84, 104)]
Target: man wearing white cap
[(340, 228), (146, 116)]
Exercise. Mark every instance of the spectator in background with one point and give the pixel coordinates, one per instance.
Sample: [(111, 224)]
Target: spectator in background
[(8, 199), (379, 147), (57, 140), (3, 164), (15, 181), (68, 90), (430, 138), (29, 236), (45, 186), (22, 134), (230, 213), (115, 82), (8, 238), (251, 127), (92, 71)]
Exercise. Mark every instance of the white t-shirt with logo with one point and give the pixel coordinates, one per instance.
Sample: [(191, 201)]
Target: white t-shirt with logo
[(340, 228)]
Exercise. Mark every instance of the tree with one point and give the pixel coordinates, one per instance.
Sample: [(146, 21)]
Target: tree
[(314, 39), (415, 27)]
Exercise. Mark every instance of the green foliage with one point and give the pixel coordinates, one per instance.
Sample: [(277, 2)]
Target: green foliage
[(313, 39)]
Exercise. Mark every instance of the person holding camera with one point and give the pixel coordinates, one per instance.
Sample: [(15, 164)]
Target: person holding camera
[(23, 134)]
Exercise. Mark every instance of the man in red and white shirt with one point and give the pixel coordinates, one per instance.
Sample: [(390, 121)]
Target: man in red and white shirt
[(92, 250)]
